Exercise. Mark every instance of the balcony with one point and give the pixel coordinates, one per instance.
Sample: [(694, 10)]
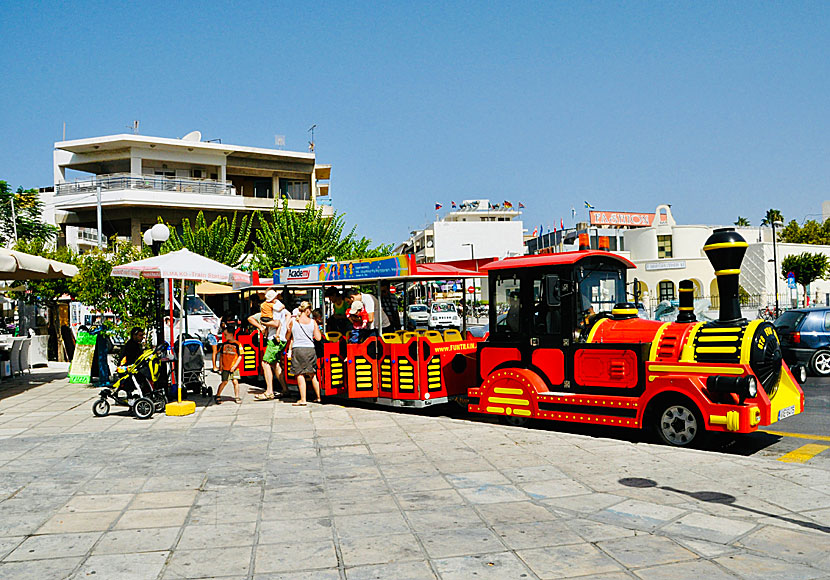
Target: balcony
[(125, 181)]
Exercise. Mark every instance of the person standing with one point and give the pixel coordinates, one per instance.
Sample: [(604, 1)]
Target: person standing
[(133, 348), (389, 302), (377, 317), (231, 358), (302, 332)]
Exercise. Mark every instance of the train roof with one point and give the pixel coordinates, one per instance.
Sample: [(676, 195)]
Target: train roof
[(561, 259)]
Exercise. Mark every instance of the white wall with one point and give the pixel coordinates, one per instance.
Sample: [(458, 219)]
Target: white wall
[(489, 239)]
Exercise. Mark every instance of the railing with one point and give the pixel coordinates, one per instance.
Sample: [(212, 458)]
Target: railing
[(116, 182)]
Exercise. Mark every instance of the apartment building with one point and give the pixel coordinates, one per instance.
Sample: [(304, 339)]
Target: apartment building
[(137, 179)]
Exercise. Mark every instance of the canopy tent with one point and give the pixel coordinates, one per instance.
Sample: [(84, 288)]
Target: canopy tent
[(16, 265), (181, 265), (212, 289)]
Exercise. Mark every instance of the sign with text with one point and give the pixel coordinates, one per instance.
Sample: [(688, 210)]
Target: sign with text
[(666, 265), (371, 268), (621, 218)]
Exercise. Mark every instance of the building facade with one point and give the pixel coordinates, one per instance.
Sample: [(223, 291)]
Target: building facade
[(136, 179)]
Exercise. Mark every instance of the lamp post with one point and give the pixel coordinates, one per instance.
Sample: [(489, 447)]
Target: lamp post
[(473, 258), (155, 237), (775, 263)]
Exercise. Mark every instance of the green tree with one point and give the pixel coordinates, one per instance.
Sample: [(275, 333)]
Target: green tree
[(811, 232), (806, 267), (222, 241), (130, 299), (742, 221), (289, 238), (47, 292), (28, 209), (772, 215)]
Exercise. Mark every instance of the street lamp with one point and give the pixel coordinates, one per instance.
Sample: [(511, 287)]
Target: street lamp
[(473, 258), (155, 237), (775, 262)]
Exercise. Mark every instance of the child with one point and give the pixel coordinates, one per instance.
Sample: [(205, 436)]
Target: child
[(267, 308), (359, 319), (229, 363)]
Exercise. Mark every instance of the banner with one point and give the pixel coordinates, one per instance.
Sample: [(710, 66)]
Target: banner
[(621, 218), (369, 268)]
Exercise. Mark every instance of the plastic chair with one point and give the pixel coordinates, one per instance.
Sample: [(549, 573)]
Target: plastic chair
[(452, 335), (434, 336), (333, 336), (421, 331), (14, 355), (25, 345), (391, 338), (409, 335)]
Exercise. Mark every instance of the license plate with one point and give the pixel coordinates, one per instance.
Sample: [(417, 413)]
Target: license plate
[(786, 412)]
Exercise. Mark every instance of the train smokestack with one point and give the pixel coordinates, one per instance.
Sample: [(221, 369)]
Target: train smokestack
[(687, 302), (725, 249)]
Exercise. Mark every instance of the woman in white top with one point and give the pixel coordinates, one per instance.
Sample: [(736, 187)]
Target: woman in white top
[(302, 332)]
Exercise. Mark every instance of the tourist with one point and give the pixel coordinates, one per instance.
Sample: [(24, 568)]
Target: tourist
[(376, 316), (133, 348), (302, 332), (231, 358)]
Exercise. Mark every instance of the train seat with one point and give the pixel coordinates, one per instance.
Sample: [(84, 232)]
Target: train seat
[(434, 336), (452, 335)]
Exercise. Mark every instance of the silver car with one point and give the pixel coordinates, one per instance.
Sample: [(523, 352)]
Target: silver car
[(417, 315)]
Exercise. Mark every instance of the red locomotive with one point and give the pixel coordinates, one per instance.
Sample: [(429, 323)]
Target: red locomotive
[(569, 348)]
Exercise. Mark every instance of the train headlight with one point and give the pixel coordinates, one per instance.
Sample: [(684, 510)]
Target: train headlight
[(751, 386), (745, 387)]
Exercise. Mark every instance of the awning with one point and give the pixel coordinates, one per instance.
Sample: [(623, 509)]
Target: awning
[(211, 288), (19, 266)]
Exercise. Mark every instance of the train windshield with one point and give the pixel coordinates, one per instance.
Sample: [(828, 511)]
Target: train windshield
[(600, 288)]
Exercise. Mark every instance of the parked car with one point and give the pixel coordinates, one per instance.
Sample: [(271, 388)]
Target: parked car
[(443, 315), (805, 338), (417, 315)]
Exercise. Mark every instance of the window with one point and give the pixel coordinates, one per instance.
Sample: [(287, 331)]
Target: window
[(664, 247), (666, 290), (600, 289), (547, 319), (508, 305), (262, 188), (294, 189), (827, 321)]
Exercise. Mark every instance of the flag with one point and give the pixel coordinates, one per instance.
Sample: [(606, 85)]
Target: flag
[(588, 206), (438, 206), (562, 223), (521, 205), (507, 205), (453, 204), (535, 232)]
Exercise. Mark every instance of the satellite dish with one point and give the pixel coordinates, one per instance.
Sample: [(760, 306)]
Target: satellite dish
[(195, 136)]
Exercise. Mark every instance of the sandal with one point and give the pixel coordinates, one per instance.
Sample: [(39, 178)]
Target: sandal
[(217, 400), (238, 400), (263, 397)]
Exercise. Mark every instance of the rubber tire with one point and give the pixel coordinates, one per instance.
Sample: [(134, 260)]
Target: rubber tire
[(101, 408), (820, 360), (209, 392), (515, 421), (143, 408), (684, 411)]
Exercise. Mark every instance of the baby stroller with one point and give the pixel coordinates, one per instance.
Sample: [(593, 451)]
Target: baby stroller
[(193, 367)]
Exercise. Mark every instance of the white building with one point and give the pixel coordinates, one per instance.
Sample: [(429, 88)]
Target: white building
[(476, 229), (140, 178)]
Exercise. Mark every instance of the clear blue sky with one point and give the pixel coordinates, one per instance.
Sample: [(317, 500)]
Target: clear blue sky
[(718, 108)]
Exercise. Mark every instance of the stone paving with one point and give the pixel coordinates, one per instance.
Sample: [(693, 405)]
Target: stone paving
[(265, 490)]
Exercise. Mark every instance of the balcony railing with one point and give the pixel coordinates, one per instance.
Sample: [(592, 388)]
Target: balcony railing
[(121, 181)]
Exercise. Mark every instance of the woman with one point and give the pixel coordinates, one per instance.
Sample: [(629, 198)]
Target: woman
[(338, 320), (302, 332)]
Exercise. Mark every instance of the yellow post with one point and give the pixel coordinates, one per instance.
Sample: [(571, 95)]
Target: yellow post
[(180, 407)]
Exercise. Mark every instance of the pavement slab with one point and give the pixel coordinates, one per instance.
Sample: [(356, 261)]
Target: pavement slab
[(268, 491)]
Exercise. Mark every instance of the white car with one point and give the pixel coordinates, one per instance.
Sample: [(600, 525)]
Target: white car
[(416, 315), (443, 315)]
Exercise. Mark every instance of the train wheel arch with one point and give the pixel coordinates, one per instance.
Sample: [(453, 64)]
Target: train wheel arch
[(511, 393)]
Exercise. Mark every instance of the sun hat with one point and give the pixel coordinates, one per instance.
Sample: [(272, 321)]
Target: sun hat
[(270, 296), (356, 307)]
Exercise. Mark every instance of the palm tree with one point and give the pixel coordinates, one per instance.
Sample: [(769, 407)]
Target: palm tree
[(772, 215), (742, 221)]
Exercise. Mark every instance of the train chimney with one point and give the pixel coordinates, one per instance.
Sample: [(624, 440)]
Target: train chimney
[(687, 302), (725, 249), (584, 243)]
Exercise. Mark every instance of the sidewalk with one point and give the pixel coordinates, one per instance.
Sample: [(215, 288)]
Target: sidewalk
[(266, 490)]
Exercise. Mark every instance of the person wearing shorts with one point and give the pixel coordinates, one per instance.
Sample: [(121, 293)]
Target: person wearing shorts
[(230, 359), (274, 347)]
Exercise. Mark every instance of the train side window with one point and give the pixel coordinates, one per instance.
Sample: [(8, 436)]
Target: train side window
[(547, 317), (508, 305)]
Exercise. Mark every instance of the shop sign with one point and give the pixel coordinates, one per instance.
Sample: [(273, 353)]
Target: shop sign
[(672, 265), (621, 218)]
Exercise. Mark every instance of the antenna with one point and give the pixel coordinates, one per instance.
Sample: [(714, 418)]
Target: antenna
[(135, 127), (279, 141), (64, 132), (311, 143)]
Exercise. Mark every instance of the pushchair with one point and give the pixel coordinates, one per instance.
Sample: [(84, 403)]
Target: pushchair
[(193, 367)]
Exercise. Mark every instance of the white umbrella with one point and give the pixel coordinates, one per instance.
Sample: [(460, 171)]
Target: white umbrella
[(20, 266), (181, 265)]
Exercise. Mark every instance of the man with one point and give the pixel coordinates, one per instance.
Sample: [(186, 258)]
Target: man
[(273, 332), (389, 302), (133, 348), (377, 317)]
